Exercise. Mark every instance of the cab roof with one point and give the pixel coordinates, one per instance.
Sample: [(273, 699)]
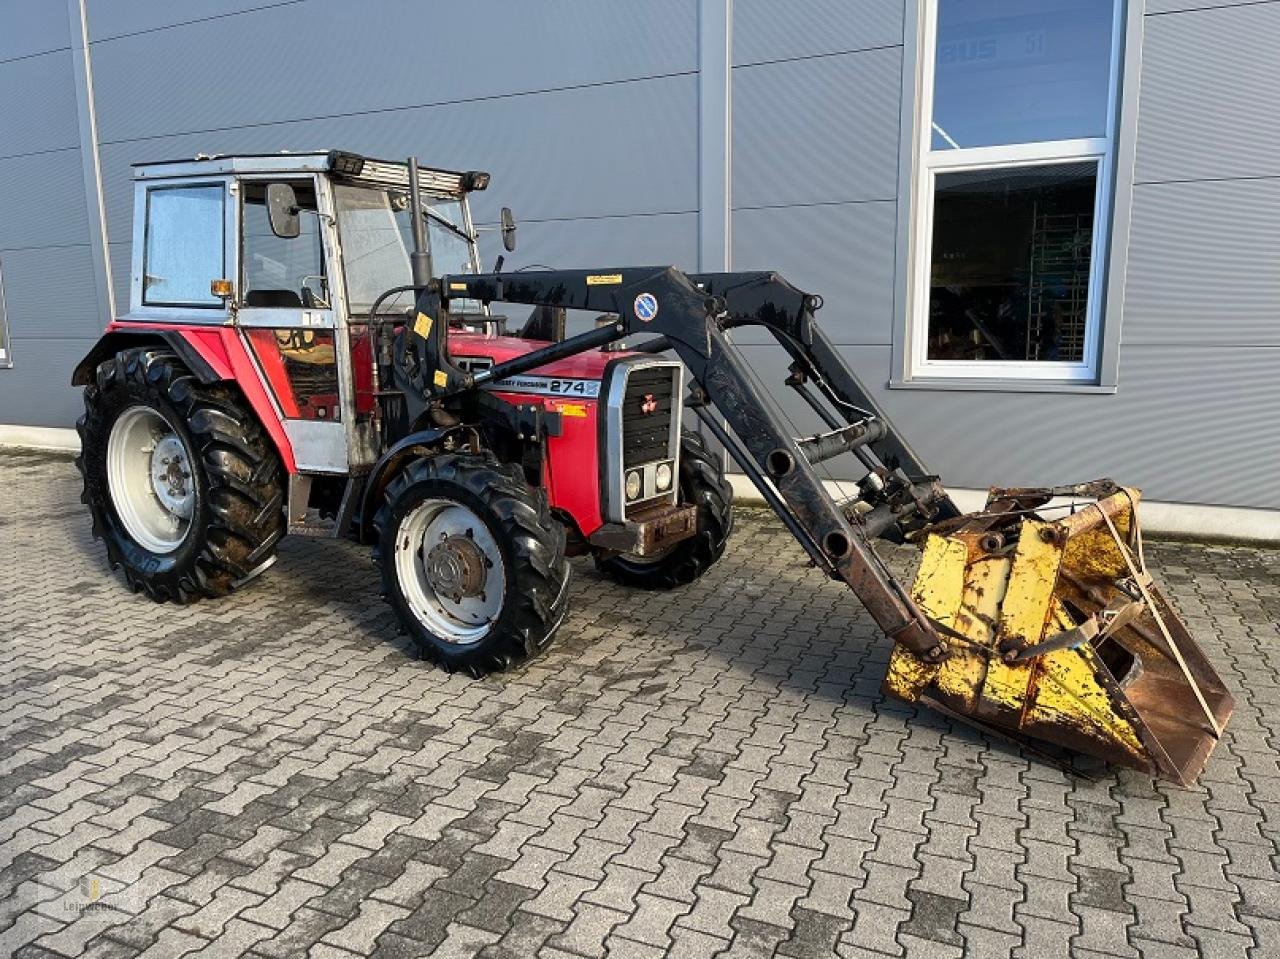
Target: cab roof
[(351, 167)]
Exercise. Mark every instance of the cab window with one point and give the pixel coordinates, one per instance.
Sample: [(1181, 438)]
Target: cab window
[(184, 246), (280, 272)]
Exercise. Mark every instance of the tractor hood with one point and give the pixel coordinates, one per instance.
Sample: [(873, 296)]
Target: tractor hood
[(469, 346)]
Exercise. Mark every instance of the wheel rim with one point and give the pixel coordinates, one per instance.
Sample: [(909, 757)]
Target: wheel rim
[(450, 569), (151, 479)]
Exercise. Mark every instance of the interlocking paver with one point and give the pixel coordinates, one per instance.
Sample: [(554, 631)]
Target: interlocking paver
[(360, 934), (708, 772)]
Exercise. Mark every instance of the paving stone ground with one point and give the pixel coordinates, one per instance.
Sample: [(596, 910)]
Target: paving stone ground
[(708, 772)]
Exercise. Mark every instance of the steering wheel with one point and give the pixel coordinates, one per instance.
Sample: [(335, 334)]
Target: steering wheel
[(310, 299)]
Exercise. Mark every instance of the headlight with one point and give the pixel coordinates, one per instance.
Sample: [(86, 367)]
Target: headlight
[(633, 485), (663, 477)]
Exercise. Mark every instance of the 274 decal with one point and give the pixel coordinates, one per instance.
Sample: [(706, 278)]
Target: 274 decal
[(549, 386)]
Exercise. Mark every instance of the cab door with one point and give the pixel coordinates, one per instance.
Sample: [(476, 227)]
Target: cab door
[(287, 320)]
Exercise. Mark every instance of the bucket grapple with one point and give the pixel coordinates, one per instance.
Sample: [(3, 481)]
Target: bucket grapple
[(1039, 628), (1060, 633)]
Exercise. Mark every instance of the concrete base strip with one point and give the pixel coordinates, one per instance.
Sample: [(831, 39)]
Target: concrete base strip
[(1192, 521), (46, 438)]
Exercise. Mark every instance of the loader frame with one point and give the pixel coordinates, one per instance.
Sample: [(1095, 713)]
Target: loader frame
[(692, 314)]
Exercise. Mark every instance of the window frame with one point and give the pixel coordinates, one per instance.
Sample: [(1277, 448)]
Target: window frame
[(6, 341), (214, 314), (241, 288), (927, 163), (146, 243)]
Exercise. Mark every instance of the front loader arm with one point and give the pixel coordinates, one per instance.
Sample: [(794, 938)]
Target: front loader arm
[(1035, 628), (693, 320), (767, 300)]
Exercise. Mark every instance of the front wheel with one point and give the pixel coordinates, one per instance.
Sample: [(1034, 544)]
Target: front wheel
[(702, 484), (472, 562)]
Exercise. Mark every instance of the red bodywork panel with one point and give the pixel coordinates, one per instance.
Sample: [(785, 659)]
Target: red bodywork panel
[(571, 471), (224, 350), (572, 468)]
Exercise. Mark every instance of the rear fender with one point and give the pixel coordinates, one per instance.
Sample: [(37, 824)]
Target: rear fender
[(113, 341), (212, 354)]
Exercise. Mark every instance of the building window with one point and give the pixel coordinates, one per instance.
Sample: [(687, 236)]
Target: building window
[(6, 357), (184, 247), (1014, 197)]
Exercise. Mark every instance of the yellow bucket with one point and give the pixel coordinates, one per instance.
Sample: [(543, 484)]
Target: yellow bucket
[(1056, 632)]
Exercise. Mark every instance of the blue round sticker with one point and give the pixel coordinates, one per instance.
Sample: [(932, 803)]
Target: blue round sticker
[(646, 307)]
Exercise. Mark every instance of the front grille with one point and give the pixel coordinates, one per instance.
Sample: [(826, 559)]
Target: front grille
[(646, 436)]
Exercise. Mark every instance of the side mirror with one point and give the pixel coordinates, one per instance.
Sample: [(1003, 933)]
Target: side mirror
[(508, 230), (282, 210)]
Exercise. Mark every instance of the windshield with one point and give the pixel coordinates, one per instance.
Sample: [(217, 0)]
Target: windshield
[(377, 236)]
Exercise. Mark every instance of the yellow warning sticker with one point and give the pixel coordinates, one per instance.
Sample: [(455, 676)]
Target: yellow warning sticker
[(576, 410), (422, 325), (458, 286), (441, 378), (604, 279)]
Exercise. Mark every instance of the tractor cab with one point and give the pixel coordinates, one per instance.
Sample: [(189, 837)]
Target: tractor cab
[(294, 250)]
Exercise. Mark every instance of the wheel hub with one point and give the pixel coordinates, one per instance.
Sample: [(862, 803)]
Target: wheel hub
[(450, 568), (456, 568), (150, 476), (171, 476)]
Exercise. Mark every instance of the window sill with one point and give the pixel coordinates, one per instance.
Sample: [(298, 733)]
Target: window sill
[(974, 384)]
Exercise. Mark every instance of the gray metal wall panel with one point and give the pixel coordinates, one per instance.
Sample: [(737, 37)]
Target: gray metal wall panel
[(603, 241), (844, 252), (38, 104), (119, 255), (807, 134), (1178, 6), (813, 131), (115, 18), (1226, 401), (32, 26), (568, 244), (1177, 429), (49, 293), (1203, 264), (1210, 82), (566, 154), (277, 63), (42, 201), (768, 30), (37, 390)]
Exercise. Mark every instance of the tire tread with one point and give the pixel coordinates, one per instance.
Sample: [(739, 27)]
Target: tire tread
[(244, 479), (537, 546)]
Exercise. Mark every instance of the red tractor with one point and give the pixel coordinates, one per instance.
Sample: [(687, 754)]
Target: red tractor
[(250, 392), (311, 347)]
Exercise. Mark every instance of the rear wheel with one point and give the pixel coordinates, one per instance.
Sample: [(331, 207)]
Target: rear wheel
[(183, 486), (472, 561), (702, 484)]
